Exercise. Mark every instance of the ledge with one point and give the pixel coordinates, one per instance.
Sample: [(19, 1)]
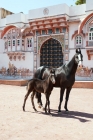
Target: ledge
[(77, 84), (83, 84), (14, 82)]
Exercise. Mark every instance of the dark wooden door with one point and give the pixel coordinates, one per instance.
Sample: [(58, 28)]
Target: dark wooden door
[(51, 54)]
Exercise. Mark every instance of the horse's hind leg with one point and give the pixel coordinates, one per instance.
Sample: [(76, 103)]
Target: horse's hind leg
[(39, 101), (32, 100), (67, 97), (26, 96)]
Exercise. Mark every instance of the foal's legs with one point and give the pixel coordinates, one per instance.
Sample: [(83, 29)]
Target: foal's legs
[(61, 98), (47, 103), (26, 96), (67, 97), (32, 100), (39, 101)]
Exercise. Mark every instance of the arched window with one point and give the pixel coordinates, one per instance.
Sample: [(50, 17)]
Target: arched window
[(29, 43), (78, 41), (90, 36)]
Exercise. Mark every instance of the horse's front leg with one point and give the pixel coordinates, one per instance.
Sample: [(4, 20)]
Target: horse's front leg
[(32, 100), (48, 102), (61, 98), (26, 96), (67, 97)]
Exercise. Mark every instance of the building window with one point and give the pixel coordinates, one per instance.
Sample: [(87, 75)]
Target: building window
[(18, 42), (9, 43), (22, 42), (37, 33), (13, 42), (13, 37), (90, 35), (91, 29), (78, 40), (57, 30), (43, 32), (49, 31), (4, 37), (5, 44), (29, 42), (64, 29)]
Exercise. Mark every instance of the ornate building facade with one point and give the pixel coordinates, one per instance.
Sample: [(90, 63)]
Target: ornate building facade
[(47, 37)]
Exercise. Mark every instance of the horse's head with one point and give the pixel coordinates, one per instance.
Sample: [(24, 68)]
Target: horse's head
[(78, 57), (52, 76)]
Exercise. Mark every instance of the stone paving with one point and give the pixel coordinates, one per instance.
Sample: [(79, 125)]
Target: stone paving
[(18, 125)]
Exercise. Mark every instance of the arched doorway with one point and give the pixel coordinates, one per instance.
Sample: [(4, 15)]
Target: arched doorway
[(51, 54)]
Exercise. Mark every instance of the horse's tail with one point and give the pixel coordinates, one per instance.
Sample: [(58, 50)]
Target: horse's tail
[(28, 82), (27, 85)]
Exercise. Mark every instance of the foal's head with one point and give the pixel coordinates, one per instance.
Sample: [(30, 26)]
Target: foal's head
[(78, 57), (52, 76)]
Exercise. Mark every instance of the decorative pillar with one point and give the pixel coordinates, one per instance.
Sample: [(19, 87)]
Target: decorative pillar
[(66, 49), (86, 39), (35, 53)]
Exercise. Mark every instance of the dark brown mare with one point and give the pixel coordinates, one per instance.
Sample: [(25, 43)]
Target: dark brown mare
[(43, 86), (64, 76)]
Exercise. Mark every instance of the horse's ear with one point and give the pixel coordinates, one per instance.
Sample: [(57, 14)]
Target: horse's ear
[(78, 50), (52, 71)]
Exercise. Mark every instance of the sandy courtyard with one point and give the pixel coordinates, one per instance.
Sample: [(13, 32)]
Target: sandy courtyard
[(18, 125)]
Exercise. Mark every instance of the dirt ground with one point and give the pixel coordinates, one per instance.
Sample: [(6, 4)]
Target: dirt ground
[(18, 125)]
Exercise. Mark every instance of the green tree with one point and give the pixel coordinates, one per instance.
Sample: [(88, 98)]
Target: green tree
[(79, 2)]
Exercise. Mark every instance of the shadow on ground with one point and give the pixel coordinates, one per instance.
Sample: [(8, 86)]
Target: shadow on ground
[(81, 116)]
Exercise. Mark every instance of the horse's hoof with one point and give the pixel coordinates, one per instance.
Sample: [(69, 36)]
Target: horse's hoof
[(39, 106), (45, 111), (23, 109), (43, 108), (49, 112), (59, 111), (66, 112), (35, 109), (66, 108)]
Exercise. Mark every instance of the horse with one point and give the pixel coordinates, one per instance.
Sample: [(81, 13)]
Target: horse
[(64, 76), (42, 86)]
